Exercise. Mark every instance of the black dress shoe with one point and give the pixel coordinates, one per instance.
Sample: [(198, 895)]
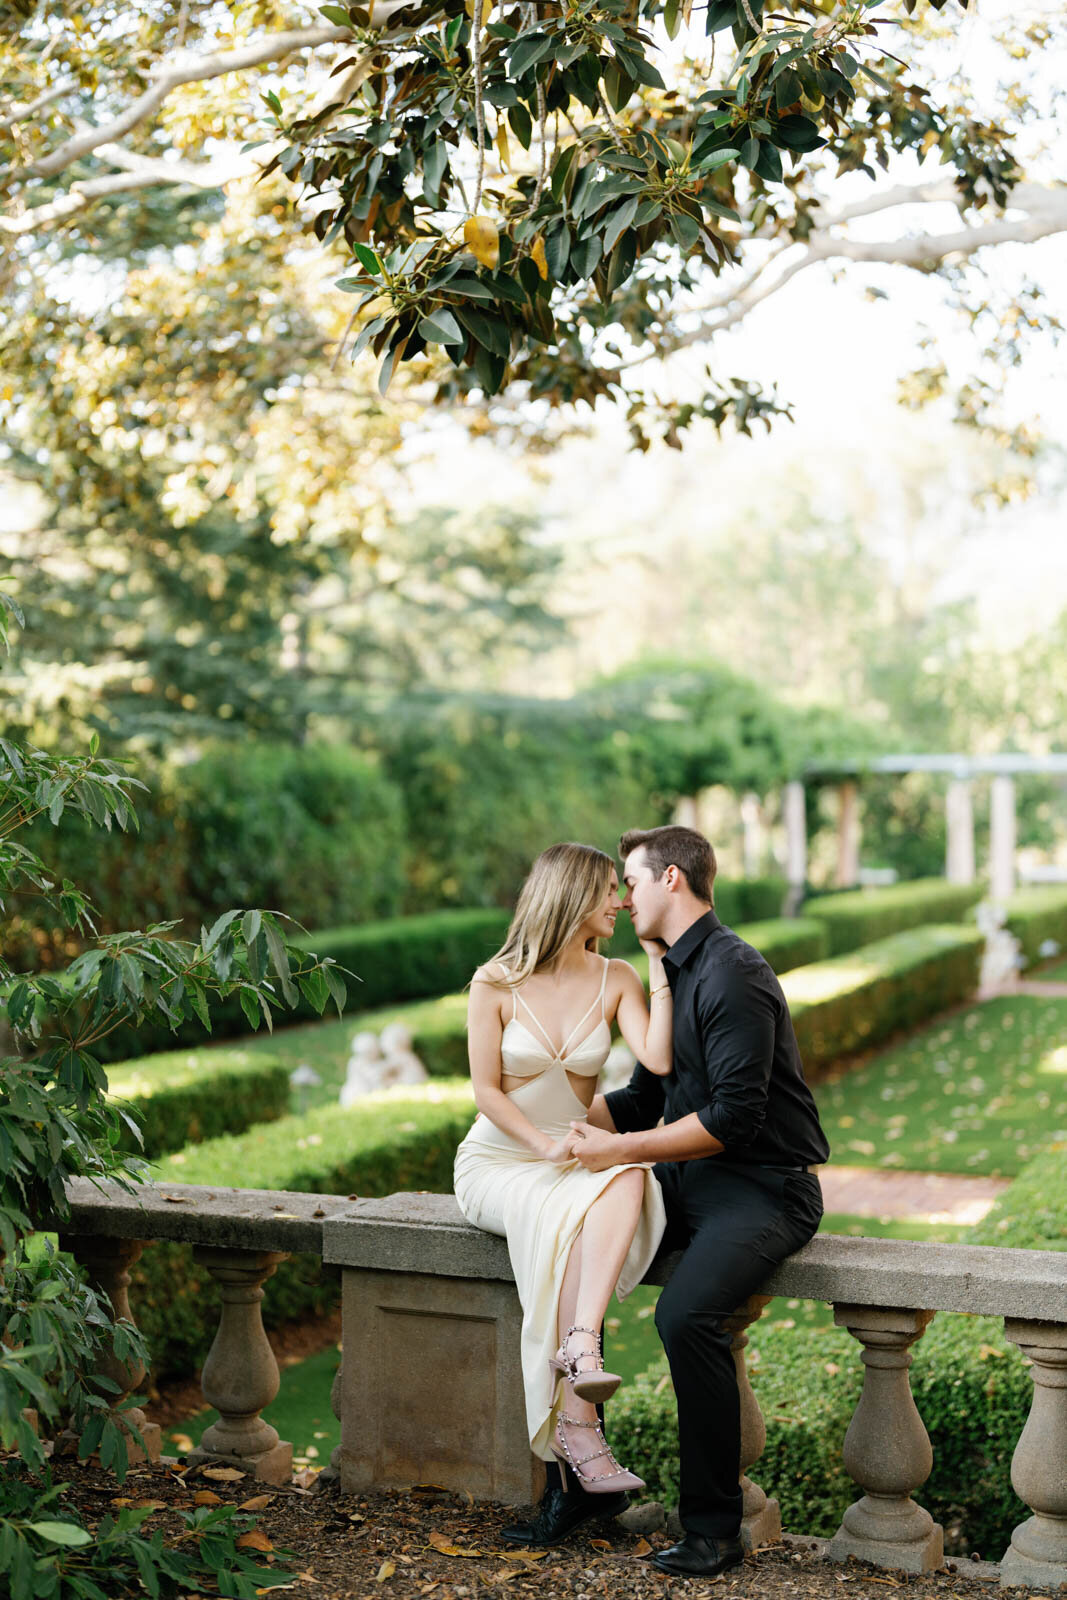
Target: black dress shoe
[(697, 1557), (559, 1514)]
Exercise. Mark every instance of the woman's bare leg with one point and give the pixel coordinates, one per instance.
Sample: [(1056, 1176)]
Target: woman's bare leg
[(593, 1269)]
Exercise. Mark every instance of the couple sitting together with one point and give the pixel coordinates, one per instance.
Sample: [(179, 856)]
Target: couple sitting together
[(710, 1149)]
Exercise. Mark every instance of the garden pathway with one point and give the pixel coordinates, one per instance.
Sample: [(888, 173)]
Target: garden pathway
[(925, 1196)]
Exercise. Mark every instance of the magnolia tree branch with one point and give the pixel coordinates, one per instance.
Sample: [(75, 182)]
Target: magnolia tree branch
[(1043, 213), (12, 118), (193, 69)]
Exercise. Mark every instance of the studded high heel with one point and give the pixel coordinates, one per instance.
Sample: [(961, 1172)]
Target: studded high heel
[(593, 1383), (598, 1483)]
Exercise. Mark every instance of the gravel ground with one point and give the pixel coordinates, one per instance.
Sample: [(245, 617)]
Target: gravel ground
[(426, 1542)]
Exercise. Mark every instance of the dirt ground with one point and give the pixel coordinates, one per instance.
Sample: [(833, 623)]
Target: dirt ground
[(427, 1542)]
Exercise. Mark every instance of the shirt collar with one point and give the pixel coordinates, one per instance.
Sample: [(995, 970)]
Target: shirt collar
[(693, 937)]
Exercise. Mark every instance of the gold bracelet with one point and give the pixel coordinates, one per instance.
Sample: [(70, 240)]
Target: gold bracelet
[(660, 990)]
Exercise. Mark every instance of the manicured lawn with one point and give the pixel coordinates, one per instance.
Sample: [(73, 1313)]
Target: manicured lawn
[(980, 1092), (1056, 973)]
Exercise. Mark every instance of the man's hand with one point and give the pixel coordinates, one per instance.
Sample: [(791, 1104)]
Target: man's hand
[(562, 1151), (594, 1149), (656, 948)]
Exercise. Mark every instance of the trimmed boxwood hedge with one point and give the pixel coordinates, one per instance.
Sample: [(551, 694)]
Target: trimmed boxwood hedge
[(1035, 915), (402, 1139), (846, 1005), (860, 916), (183, 1096)]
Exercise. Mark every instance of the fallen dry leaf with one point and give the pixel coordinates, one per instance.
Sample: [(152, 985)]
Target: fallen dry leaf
[(121, 1502), (506, 1574), (257, 1502), (386, 1570), (318, 1212), (223, 1474), (428, 1488), (206, 1497), (306, 1477), (445, 1547), (176, 1199), (254, 1540), (149, 1505), (600, 1544), (519, 1555), (642, 1547)]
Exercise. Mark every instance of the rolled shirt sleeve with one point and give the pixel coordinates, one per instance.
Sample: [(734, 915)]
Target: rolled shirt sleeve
[(737, 1021), (639, 1103)]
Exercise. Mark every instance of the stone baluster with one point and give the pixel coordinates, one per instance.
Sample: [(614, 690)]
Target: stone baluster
[(107, 1261), (887, 1449), (761, 1521), (1037, 1554), (240, 1376)]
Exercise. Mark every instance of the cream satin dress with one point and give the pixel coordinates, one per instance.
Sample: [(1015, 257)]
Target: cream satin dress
[(540, 1206)]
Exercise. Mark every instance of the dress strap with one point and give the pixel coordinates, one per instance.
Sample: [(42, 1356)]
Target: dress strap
[(514, 1004), (604, 988)]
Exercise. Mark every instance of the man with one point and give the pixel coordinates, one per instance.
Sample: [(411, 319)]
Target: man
[(739, 1137)]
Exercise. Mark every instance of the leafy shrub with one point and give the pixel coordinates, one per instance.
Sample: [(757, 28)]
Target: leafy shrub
[(852, 1002), (400, 1139), (861, 916), (131, 877), (1037, 914), (749, 899), (316, 832), (180, 1097), (399, 959), (786, 942)]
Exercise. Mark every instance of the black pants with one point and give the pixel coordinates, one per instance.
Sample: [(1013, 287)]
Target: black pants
[(733, 1224)]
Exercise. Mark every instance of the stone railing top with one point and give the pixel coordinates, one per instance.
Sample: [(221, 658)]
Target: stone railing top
[(239, 1219), (426, 1233)]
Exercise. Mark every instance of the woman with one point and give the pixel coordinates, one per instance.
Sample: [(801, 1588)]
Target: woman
[(539, 1024)]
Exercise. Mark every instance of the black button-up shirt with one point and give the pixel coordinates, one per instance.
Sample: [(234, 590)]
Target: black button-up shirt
[(736, 1059)]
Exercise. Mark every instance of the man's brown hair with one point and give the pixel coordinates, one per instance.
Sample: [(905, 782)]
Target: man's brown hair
[(673, 846)]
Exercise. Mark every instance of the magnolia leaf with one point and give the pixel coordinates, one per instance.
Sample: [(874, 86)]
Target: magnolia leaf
[(537, 256), (386, 1570), (483, 241), (337, 15), (502, 146), (441, 328)]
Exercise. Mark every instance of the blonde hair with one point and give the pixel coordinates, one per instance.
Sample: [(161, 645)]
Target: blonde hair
[(565, 884)]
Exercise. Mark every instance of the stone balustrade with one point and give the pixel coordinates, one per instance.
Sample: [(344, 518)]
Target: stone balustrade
[(429, 1387)]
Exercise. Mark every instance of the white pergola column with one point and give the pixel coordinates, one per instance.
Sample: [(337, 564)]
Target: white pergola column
[(1002, 839), (752, 834), (848, 836), (796, 842), (687, 812), (959, 820)]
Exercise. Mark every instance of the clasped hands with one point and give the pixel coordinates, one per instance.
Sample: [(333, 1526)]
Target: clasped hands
[(591, 1147)]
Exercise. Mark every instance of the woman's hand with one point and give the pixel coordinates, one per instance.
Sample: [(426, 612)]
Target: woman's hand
[(561, 1151), (655, 949)]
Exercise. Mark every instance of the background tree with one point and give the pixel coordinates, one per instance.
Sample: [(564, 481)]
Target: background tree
[(561, 174)]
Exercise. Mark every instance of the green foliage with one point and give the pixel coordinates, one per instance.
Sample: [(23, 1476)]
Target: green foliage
[(57, 1336), (749, 900), (314, 831), (1031, 1214), (407, 958), (180, 1097), (980, 1091), (49, 1554), (1036, 915), (972, 1390), (786, 942), (489, 782), (849, 1003), (625, 196), (860, 916), (396, 1140)]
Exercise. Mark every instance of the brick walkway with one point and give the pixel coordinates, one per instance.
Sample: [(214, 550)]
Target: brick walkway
[(923, 1196)]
